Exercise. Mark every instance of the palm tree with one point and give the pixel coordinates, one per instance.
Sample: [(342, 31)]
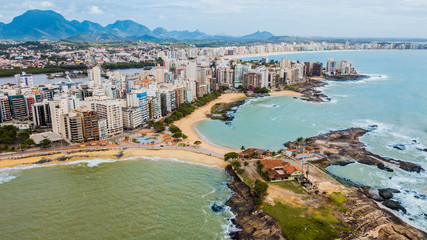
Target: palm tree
[(243, 148)]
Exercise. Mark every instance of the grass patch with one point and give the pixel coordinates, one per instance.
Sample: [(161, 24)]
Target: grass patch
[(337, 199), (292, 186), (181, 145), (297, 224)]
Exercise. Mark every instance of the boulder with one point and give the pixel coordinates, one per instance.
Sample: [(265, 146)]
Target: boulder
[(382, 166), (399, 147), (411, 167), (217, 208), (395, 205), (372, 193), (387, 193)]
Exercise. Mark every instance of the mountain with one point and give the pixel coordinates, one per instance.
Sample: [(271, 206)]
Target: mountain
[(127, 28), (50, 25), (258, 36), (36, 25)]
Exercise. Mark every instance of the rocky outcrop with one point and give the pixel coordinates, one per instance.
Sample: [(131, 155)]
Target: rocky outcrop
[(254, 223), (309, 92), (371, 221), (352, 77), (337, 145)]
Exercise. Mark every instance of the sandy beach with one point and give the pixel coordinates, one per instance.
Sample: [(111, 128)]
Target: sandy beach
[(114, 154), (187, 124), (285, 93)]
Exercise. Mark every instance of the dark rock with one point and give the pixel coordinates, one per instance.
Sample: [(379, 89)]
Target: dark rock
[(217, 208), (411, 167), (343, 163), (395, 205), (422, 149), (43, 160), (382, 166), (400, 147), (254, 224), (372, 193), (387, 193)]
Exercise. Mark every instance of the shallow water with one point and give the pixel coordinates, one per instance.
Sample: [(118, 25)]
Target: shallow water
[(141, 198), (393, 97)]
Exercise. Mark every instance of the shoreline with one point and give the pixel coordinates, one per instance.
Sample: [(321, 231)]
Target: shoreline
[(298, 52), (58, 158), (188, 124)]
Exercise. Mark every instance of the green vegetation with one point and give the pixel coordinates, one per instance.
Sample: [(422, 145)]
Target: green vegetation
[(261, 90), (124, 65), (337, 199), (159, 126), (47, 69), (45, 143), (231, 155), (134, 140), (197, 143), (296, 223), (260, 187), (293, 186)]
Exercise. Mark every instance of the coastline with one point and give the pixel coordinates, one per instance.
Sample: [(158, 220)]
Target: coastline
[(298, 52), (113, 154), (188, 124)]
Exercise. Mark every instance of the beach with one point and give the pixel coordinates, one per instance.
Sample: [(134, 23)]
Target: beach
[(285, 93), (187, 124), (114, 154)]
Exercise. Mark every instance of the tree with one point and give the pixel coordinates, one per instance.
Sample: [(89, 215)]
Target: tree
[(230, 155), (243, 148), (174, 129), (159, 126), (30, 142), (246, 164), (168, 120), (197, 143), (150, 123), (236, 164), (45, 142), (260, 187), (177, 135), (184, 136)]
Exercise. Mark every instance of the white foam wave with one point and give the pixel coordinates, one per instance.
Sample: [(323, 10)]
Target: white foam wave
[(6, 177), (270, 105), (91, 162)]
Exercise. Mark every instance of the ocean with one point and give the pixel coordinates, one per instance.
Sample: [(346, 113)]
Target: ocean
[(393, 97), (138, 198)]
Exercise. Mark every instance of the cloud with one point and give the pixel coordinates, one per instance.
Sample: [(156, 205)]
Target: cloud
[(95, 10), (46, 4)]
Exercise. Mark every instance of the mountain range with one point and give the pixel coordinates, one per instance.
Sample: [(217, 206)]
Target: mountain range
[(50, 25)]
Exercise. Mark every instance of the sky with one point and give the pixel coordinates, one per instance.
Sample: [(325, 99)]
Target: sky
[(334, 18)]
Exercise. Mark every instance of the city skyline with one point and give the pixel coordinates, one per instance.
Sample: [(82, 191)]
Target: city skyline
[(386, 18)]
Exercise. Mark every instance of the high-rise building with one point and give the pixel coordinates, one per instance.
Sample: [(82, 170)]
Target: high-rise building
[(41, 114), (5, 112), (95, 76), (18, 106), (30, 102), (111, 111), (331, 67), (24, 80), (72, 127), (90, 124), (132, 117)]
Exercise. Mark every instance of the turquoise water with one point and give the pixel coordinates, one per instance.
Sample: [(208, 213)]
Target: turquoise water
[(394, 98), (141, 198)]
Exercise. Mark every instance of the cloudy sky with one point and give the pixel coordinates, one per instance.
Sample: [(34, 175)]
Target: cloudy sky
[(337, 18)]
